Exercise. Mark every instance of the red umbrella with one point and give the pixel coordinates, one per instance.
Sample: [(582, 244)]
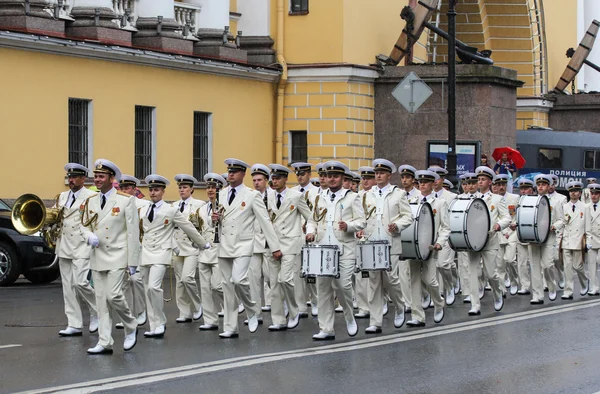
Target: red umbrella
[(513, 155)]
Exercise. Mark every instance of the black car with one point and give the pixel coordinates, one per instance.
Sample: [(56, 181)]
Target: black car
[(23, 254)]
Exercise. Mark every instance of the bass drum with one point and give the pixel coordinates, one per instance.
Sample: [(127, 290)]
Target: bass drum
[(533, 219), (469, 224), (419, 236)]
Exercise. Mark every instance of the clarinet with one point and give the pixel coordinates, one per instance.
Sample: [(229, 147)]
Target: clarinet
[(215, 208)]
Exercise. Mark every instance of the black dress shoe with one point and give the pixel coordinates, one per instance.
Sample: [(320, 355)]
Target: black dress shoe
[(302, 315), (208, 327), (412, 323), (183, 320), (563, 297), (536, 302), (278, 327)]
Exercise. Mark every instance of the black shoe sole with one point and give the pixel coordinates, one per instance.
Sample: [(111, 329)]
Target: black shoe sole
[(260, 322), (374, 332), (278, 329), (566, 298), (105, 351), (214, 328), (77, 334), (185, 321), (475, 313), (303, 315), (537, 302), (324, 339), (232, 336), (415, 325), (131, 348), (118, 328)]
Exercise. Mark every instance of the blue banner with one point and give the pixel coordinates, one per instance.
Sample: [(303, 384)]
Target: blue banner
[(466, 159)]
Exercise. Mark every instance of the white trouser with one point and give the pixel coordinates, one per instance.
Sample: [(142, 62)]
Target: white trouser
[(390, 281), (403, 272), (523, 259), (592, 260), (361, 290), (76, 289), (258, 275), (153, 276), (281, 274), (236, 286), (186, 288), (507, 264), (542, 263), (489, 258), (342, 286), (463, 272), (211, 288), (424, 271), (108, 286), (573, 260), (133, 288), (444, 260)]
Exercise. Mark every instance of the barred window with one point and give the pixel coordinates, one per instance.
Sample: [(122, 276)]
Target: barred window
[(298, 146), (299, 6), (144, 141), (202, 141), (79, 131)]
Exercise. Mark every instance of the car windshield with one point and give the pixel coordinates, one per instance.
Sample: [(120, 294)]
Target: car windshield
[(4, 206)]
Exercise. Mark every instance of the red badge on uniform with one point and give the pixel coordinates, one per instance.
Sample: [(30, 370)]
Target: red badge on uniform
[(243, 204), (581, 214), (166, 221), (493, 207), (291, 208), (115, 211), (434, 212)]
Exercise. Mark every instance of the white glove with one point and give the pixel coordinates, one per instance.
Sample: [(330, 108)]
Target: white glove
[(207, 246), (93, 240), (588, 246), (176, 251), (132, 270)]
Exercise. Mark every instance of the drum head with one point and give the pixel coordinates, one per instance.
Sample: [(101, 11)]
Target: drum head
[(425, 230), (543, 219), (477, 225)]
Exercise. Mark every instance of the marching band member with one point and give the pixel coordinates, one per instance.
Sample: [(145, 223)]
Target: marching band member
[(288, 210), (586, 193), (258, 272), (133, 288), (304, 291), (425, 271), (507, 265), (558, 258), (158, 222), (74, 254), (355, 182), (116, 246), (241, 208), (348, 176), (523, 251), (448, 185), (388, 213), (543, 255), (572, 240), (315, 182), (500, 219), (185, 257), (446, 266), (337, 215), (592, 236), (407, 180), (361, 285), (208, 269)]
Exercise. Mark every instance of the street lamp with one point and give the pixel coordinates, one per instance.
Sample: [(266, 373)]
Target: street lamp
[(452, 92)]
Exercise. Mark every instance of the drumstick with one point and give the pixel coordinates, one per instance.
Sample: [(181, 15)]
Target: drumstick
[(431, 247)]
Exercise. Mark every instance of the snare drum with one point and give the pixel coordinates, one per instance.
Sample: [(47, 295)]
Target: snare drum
[(420, 235), (320, 260), (533, 219), (469, 224), (373, 256)]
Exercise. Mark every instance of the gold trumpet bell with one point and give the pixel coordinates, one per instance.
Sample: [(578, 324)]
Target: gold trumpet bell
[(30, 215)]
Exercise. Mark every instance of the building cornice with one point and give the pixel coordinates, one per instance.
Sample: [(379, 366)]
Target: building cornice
[(114, 53), (331, 73), (537, 104)]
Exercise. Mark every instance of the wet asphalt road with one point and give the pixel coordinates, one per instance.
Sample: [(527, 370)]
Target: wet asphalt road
[(552, 348)]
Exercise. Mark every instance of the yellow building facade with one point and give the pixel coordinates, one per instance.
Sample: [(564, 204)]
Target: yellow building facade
[(318, 84)]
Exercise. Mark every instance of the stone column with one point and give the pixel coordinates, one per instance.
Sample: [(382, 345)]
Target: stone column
[(215, 40), (96, 20), (35, 17), (255, 25), (157, 28)]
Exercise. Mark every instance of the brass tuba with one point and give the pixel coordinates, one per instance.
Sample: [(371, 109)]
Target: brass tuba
[(30, 215)]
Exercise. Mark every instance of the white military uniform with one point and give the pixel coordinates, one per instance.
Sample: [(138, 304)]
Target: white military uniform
[(385, 206), (305, 291), (361, 285), (287, 221), (133, 288), (237, 246), (592, 239), (446, 266), (185, 262), (117, 230), (332, 208), (572, 244), (258, 272), (157, 253), (543, 256), (74, 259), (507, 265), (558, 258), (425, 271), (489, 255)]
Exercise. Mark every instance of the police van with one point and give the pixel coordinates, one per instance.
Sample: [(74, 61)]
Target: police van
[(571, 155)]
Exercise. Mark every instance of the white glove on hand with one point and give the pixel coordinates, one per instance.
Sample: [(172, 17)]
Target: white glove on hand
[(132, 270), (176, 251), (588, 246), (93, 240), (207, 246)]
